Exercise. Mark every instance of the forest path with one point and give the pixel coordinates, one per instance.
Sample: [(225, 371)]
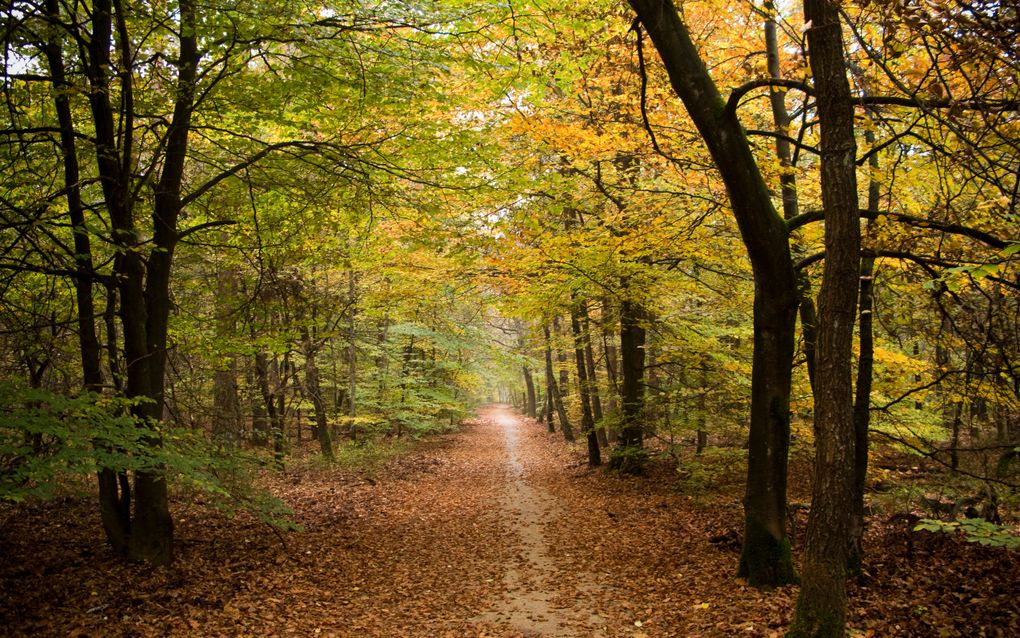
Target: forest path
[(452, 540), (534, 601)]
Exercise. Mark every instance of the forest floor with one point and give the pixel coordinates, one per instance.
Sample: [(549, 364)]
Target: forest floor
[(498, 529)]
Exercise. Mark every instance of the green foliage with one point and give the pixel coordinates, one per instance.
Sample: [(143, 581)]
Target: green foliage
[(628, 460), (713, 468), (974, 530), (370, 454), (46, 438), (225, 475)]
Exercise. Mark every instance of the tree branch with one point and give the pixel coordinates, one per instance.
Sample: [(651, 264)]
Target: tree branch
[(205, 226), (779, 136), (738, 93), (919, 222)]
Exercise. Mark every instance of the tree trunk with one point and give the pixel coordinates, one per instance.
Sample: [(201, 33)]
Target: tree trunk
[(865, 374), (561, 359), (312, 387), (275, 416), (587, 420), (629, 455), (283, 371), (765, 559), (144, 284), (548, 408), (610, 350), (352, 350), (143, 279), (113, 354), (226, 417), (654, 396), (555, 400), (702, 433), (821, 605), (114, 488), (529, 400), (788, 186), (593, 384)]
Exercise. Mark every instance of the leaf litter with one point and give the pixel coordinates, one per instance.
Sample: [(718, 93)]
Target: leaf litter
[(493, 531)]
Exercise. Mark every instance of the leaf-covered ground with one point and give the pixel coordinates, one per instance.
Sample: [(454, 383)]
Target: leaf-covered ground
[(496, 530)]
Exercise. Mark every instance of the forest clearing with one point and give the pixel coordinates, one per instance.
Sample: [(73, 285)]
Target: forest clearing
[(497, 529), (747, 271)]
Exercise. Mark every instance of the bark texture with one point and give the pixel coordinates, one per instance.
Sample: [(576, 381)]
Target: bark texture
[(555, 399), (821, 606), (314, 390), (587, 420), (629, 453), (865, 374)]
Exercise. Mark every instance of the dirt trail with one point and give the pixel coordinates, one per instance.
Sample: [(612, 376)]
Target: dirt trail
[(534, 602)]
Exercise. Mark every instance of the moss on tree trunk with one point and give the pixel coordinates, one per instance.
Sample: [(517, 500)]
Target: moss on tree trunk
[(765, 559)]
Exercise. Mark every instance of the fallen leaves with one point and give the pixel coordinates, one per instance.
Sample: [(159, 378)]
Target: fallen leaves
[(428, 547)]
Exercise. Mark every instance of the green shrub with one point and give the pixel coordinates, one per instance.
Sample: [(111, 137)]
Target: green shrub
[(974, 530), (715, 467), (46, 438)]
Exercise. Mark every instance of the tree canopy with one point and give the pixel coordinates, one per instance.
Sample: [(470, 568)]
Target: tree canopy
[(230, 228)]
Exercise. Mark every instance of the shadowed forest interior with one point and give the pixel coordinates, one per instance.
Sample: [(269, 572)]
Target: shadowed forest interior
[(658, 318)]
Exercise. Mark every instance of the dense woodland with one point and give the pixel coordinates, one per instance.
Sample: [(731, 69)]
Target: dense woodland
[(702, 234)]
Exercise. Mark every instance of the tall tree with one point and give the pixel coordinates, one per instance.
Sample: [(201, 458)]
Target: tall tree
[(821, 606), (553, 390), (765, 557), (583, 387), (313, 388), (629, 453)]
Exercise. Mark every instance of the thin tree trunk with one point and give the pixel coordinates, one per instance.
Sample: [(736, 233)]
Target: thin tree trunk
[(561, 359), (629, 455), (382, 361), (312, 387), (529, 400), (113, 357), (654, 408), (702, 433), (226, 417), (352, 350), (275, 417), (405, 373), (593, 384), (284, 371), (587, 420), (548, 409), (555, 400), (865, 374), (788, 186), (821, 605), (609, 348)]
